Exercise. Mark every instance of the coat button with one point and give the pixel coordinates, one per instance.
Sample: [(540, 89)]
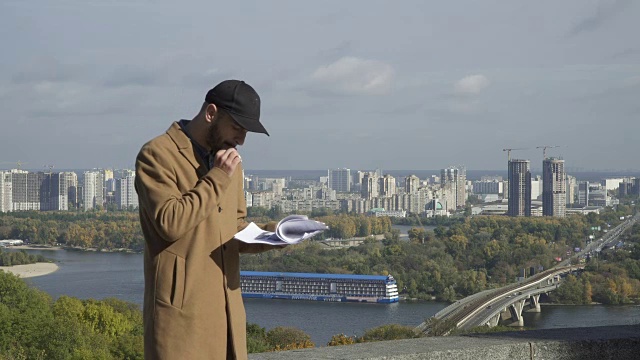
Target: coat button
[(219, 209)]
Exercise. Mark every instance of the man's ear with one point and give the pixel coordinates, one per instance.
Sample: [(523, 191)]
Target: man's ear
[(211, 112)]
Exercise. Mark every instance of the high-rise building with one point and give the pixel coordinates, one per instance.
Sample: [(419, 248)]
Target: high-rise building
[(625, 189), (370, 186), (72, 189), (571, 184), (54, 192), (487, 187), (583, 193), (519, 188), (454, 180), (126, 195), (554, 191), (340, 180), (536, 187), (387, 186), (26, 189), (93, 189), (108, 175), (411, 184), (6, 192), (612, 184)]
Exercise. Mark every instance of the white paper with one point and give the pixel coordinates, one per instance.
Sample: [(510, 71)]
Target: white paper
[(290, 230), (252, 234)]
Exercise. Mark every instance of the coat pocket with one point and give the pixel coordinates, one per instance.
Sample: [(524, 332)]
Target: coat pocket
[(170, 280)]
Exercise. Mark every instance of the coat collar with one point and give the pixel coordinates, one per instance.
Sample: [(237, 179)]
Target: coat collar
[(185, 146)]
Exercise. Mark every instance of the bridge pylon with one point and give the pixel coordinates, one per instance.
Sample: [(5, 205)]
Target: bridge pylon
[(494, 321), (534, 303), (516, 313)]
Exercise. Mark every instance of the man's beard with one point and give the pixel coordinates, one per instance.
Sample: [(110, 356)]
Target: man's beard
[(215, 140)]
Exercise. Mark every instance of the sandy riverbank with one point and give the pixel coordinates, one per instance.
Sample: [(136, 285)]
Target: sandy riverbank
[(31, 270), (35, 247)]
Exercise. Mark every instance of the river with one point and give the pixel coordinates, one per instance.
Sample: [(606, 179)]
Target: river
[(101, 275), (404, 229)]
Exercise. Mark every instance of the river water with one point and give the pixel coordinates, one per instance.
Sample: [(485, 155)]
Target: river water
[(101, 275)]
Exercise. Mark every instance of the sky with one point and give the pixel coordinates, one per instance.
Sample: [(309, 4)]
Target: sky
[(355, 84)]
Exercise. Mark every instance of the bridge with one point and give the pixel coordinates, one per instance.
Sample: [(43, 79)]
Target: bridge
[(490, 307)]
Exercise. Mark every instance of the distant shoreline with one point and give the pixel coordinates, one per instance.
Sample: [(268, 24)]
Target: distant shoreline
[(31, 270), (35, 247), (69, 248)]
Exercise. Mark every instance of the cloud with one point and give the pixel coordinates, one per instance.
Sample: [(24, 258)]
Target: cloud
[(78, 99), (45, 69), (606, 10), (339, 50), (626, 53), (472, 84), (354, 76), (133, 75)]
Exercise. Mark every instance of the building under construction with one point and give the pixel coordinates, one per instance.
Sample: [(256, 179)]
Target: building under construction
[(554, 190), (519, 188)]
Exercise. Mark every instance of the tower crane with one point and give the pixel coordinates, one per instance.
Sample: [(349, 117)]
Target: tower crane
[(509, 152), (18, 163), (544, 149)]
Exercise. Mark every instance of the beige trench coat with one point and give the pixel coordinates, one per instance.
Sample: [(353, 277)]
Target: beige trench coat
[(189, 216)]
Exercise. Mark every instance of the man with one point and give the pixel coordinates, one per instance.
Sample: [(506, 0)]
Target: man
[(190, 187)]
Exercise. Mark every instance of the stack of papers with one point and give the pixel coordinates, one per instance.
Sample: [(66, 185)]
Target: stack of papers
[(290, 230)]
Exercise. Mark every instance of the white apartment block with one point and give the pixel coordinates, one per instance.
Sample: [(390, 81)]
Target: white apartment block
[(411, 184), (248, 199), (572, 189), (536, 188), (93, 189), (370, 186), (612, 184), (263, 199), (6, 192), (25, 190), (308, 205), (488, 187), (454, 180), (388, 186), (126, 195)]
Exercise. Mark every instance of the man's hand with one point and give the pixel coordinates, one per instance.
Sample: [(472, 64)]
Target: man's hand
[(227, 160)]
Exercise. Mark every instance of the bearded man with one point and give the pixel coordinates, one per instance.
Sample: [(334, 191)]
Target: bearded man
[(189, 182)]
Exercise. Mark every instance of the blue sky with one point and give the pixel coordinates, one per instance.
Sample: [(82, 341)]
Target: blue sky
[(358, 84)]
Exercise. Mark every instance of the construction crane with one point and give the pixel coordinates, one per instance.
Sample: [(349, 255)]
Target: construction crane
[(544, 149), (509, 152), (18, 163)]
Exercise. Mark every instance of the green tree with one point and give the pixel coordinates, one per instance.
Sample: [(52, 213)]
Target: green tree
[(288, 338), (256, 339), (417, 234), (389, 332)]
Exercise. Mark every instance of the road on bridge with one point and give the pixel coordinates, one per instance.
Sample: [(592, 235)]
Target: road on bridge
[(478, 309)]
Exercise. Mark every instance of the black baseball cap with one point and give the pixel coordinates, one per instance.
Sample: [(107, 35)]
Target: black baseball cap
[(241, 101)]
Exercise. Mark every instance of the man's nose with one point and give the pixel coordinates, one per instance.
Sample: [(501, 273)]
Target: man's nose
[(240, 137)]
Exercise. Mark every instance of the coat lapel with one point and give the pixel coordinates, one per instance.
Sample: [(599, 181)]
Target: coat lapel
[(185, 146)]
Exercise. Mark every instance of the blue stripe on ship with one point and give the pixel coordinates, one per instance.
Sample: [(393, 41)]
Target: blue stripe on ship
[(314, 276)]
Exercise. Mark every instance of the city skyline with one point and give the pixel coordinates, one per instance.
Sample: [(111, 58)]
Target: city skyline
[(446, 83)]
